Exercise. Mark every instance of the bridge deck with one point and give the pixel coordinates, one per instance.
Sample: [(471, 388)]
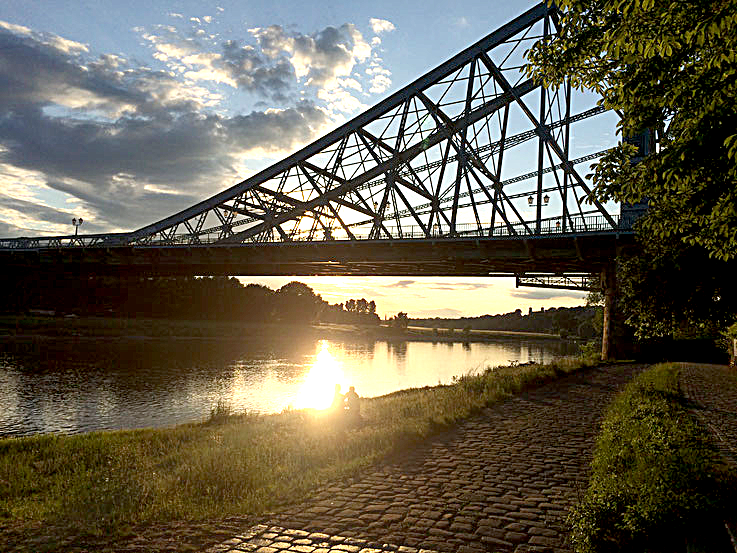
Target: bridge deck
[(440, 256)]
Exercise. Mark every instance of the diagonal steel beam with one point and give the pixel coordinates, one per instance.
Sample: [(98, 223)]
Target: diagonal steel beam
[(404, 157), (502, 80), (492, 40)]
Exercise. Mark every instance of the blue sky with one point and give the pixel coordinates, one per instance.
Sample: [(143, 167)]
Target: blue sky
[(125, 112)]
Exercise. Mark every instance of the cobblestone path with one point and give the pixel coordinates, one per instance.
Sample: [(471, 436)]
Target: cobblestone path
[(713, 389), (502, 481)]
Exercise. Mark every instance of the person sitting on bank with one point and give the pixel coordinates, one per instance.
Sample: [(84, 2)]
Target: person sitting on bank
[(353, 404), (338, 400)]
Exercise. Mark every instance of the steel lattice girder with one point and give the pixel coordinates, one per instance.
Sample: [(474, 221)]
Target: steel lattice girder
[(563, 281), (430, 160)]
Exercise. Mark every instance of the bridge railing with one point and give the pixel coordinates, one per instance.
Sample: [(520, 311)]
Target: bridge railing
[(64, 241), (588, 223), (550, 226), (554, 225)]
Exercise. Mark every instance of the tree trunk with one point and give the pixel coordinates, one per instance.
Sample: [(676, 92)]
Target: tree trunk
[(609, 286)]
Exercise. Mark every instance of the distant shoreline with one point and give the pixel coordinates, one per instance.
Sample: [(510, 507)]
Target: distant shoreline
[(29, 327)]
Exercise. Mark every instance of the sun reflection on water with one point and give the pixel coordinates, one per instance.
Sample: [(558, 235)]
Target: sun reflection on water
[(319, 384)]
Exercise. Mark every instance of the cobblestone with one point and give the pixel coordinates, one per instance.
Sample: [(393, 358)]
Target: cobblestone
[(713, 391), (502, 481)]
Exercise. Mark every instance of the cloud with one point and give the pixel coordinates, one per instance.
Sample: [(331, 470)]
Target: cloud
[(129, 143), (21, 212), (381, 25), (402, 284), (250, 71), (462, 286), (123, 144), (48, 39), (547, 294), (319, 58), (380, 80), (445, 313)]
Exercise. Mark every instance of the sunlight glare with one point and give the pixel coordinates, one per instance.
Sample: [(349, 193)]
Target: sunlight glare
[(318, 387)]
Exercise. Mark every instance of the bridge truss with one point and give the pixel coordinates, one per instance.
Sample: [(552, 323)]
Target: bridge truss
[(440, 158)]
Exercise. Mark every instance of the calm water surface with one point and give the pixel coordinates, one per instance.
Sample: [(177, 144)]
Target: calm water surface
[(80, 385)]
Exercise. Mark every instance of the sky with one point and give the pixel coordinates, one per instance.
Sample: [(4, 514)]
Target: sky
[(122, 113)]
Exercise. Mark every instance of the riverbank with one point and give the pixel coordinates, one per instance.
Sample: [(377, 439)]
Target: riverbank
[(56, 488), (27, 326)]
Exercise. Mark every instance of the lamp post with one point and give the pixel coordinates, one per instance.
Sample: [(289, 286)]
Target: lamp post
[(77, 223)]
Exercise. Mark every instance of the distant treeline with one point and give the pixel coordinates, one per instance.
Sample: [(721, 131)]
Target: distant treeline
[(580, 321), (218, 298)]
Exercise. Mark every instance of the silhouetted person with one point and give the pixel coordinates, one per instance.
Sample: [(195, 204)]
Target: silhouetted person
[(338, 400), (353, 404)]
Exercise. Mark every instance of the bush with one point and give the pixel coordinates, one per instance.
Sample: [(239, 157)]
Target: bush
[(655, 474)]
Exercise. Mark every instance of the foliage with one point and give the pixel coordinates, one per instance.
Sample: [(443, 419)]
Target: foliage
[(215, 299), (400, 320), (655, 476), (670, 66), (729, 336), (549, 321), (676, 291), (228, 465)]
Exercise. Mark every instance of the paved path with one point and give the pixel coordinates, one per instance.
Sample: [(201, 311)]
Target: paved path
[(502, 481), (713, 389)]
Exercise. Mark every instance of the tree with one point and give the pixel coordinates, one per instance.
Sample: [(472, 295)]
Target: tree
[(670, 66), (297, 302), (400, 320), (677, 291)]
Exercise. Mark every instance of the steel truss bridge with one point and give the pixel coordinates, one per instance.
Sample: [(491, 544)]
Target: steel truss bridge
[(470, 170)]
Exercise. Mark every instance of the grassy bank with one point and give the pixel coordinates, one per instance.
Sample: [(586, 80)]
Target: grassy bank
[(229, 465), (657, 481)]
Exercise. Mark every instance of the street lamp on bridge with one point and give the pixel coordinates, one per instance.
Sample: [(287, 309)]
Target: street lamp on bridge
[(531, 200), (77, 223)]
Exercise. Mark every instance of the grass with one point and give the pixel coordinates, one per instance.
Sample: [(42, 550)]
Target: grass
[(231, 464), (656, 479)]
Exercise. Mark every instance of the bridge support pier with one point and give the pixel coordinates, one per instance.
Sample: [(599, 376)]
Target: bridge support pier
[(609, 287)]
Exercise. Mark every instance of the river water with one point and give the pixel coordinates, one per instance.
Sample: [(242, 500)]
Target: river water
[(74, 385)]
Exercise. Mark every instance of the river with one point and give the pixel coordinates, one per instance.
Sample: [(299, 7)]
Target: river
[(73, 385)]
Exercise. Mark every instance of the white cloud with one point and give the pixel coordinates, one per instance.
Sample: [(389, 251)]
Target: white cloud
[(350, 83), (339, 99), (319, 58), (381, 25), (380, 81), (380, 84), (15, 29)]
